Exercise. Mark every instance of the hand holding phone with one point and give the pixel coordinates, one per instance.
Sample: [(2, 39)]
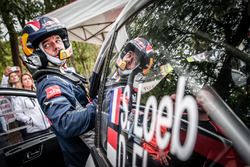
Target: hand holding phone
[(7, 71), (14, 68)]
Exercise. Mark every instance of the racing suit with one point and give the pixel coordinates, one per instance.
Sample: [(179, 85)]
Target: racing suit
[(60, 98)]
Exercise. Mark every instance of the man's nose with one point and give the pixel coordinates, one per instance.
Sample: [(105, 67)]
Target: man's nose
[(130, 59), (56, 46)]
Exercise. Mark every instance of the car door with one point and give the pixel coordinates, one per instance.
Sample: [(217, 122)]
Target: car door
[(193, 106), (21, 144)]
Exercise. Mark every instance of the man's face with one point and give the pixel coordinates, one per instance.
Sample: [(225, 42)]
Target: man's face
[(131, 60), (52, 45)]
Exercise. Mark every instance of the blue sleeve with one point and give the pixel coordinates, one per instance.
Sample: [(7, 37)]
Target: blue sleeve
[(60, 108)]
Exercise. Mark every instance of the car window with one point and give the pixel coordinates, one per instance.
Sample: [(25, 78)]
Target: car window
[(21, 118), (199, 47)]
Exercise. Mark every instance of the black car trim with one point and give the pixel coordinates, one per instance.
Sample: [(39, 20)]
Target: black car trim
[(13, 130), (98, 159), (29, 144), (16, 92), (107, 55)]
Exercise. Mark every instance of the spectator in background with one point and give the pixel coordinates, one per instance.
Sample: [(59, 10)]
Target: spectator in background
[(14, 80), (27, 81), (28, 111), (3, 127), (8, 70), (11, 78)]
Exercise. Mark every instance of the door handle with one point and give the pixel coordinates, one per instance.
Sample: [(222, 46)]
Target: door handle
[(33, 154)]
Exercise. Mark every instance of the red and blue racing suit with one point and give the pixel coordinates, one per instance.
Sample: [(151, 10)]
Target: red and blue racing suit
[(59, 99)]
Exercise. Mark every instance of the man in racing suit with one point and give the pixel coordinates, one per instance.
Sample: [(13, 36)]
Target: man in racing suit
[(61, 93)]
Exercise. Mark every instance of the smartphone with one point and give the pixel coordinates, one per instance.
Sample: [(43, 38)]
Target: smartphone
[(14, 68)]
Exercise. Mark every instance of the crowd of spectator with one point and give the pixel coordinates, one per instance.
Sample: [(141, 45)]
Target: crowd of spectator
[(25, 110)]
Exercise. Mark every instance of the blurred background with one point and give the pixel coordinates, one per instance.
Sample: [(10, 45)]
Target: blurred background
[(14, 14)]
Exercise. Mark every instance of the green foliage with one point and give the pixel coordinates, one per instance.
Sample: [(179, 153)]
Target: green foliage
[(18, 12), (13, 15), (5, 56), (84, 57), (51, 5)]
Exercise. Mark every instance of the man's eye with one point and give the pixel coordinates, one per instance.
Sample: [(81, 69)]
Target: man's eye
[(130, 53), (59, 41), (46, 46)]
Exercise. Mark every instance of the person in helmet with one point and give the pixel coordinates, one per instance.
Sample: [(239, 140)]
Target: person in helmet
[(60, 92), (136, 57)]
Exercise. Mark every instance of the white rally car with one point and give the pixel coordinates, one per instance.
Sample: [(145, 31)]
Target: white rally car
[(193, 106)]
